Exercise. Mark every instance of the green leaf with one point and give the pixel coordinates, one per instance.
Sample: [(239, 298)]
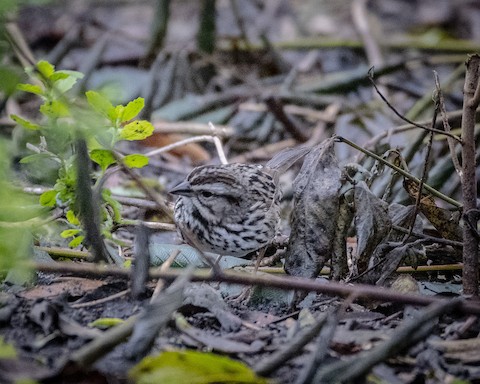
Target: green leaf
[(64, 85), (135, 161), (9, 78), (65, 80), (66, 183), (45, 68), (102, 157), (8, 6), (25, 123), (132, 109), (69, 233), (7, 351), (69, 73), (54, 109), (72, 218), (76, 241), (137, 130), (101, 104), (36, 89), (48, 198), (58, 76), (106, 322), (119, 111), (15, 207), (192, 367)]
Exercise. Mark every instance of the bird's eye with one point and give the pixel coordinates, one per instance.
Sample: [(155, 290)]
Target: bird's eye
[(207, 194)]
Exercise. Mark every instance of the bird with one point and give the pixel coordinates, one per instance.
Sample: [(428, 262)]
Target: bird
[(228, 209)]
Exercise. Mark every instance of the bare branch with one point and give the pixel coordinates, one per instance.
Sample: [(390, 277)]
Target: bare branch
[(283, 282), (424, 175), (446, 126), (431, 129), (469, 182)]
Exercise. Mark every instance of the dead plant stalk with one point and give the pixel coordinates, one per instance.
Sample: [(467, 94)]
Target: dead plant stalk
[(471, 100)]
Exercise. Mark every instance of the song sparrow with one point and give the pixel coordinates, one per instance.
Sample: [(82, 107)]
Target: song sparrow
[(230, 209)]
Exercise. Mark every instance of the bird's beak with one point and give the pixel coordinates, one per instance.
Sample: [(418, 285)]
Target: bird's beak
[(184, 189)]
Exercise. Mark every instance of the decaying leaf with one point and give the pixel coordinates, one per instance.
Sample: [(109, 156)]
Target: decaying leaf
[(372, 223), (339, 255), (389, 254), (315, 212), (392, 261), (444, 221), (401, 216)]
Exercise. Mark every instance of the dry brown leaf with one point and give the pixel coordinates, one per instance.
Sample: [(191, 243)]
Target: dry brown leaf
[(444, 221)]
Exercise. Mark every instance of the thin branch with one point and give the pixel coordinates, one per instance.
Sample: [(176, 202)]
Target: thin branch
[(147, 189), (165, 266), (430, 239), (218, 145), (285, 282), (168, 148), (135, 202), (446, 126), (430, 189), (192, 128), (453, 117), (431, 129), (148, 224), (102, 300), (360, 19), (212, 138), (424, 175), (276, 108), (57, 252)]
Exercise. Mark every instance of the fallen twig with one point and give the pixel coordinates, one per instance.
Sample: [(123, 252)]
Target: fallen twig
[(284, 282)]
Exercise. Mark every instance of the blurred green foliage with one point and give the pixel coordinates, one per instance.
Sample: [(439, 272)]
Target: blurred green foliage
[(63, 119), (17, 210)]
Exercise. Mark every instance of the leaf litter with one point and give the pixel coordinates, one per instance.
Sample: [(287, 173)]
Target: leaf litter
[(387, 341)]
